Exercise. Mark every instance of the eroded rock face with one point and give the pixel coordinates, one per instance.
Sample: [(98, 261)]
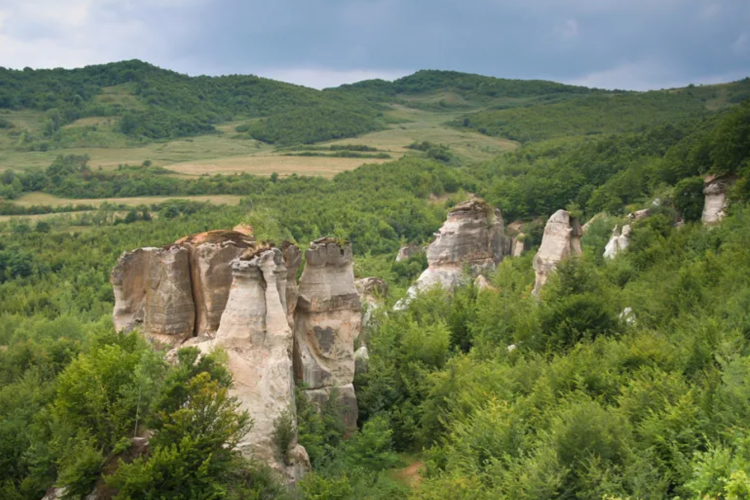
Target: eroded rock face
[(179, 291), (562, 239), (258, 340), (407, 252), (292, 259), (618, 242), (327, 320), (517, 245), (372, 292), (211, 278), (472, 237), (715, 204)]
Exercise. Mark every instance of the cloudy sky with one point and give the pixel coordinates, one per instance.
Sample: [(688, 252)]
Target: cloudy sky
[(633, 44)]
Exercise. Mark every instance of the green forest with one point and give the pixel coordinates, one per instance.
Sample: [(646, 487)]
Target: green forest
[(587, 403)]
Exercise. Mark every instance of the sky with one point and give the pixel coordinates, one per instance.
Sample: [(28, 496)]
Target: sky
[(625, 44)]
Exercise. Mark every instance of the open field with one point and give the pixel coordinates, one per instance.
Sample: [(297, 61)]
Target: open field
[(420, 126), (54, 201)]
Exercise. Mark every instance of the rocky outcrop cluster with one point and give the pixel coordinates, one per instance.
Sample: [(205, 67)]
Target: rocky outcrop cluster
[(715, 202), (223, 290), (618, 242), (472, 238), (562, 239), (327, 320), (179, 291)]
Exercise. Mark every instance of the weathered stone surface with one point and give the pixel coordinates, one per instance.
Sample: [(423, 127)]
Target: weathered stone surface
[(472, 237), (292, 260), (372, 292), (169, 314), (562, 239), (327, 320), (715, 203), (517, 246), (407, 252), (256, 335), (129, 279), (618, 242), (211, 273), (639, 214), (328, 316)]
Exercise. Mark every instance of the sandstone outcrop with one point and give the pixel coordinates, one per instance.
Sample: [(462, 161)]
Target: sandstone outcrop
[(258, 340), (327, 320), (372, 292), (407, 252), (562, 239), (517, 246), (715, 202), (472, 238), (153, 292), (618, 242), (179, 291)]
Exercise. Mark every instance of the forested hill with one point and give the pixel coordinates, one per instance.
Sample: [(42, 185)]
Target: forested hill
[(148, 103)]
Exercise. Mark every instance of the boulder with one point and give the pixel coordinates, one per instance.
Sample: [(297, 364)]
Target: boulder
[(327, 320), (258, 340), (407, 251), (562, 239), (715, 202), (618, 242), (472, 238)]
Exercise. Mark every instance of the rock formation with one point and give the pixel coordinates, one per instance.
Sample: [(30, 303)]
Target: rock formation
[(715, 204), (472, 238), (517, 245), (407, 252), (372, 292), (562, 239), (223, 290), (256, 335), (179, 291), (153, 292), (618, 242), (327, 320)]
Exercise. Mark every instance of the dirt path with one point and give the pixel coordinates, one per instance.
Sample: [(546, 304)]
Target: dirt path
[(410, 475)]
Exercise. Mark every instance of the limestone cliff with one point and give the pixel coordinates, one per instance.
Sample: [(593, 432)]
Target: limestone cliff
[(472, 238), (562, 239), (326, 322)]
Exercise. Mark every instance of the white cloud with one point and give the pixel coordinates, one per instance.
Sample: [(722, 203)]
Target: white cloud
[(321, 78)]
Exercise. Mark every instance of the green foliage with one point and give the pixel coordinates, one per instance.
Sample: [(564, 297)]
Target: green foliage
[(284, 433), (688, 198)]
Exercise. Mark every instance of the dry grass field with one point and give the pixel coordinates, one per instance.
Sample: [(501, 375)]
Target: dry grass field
[(54, 201)]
